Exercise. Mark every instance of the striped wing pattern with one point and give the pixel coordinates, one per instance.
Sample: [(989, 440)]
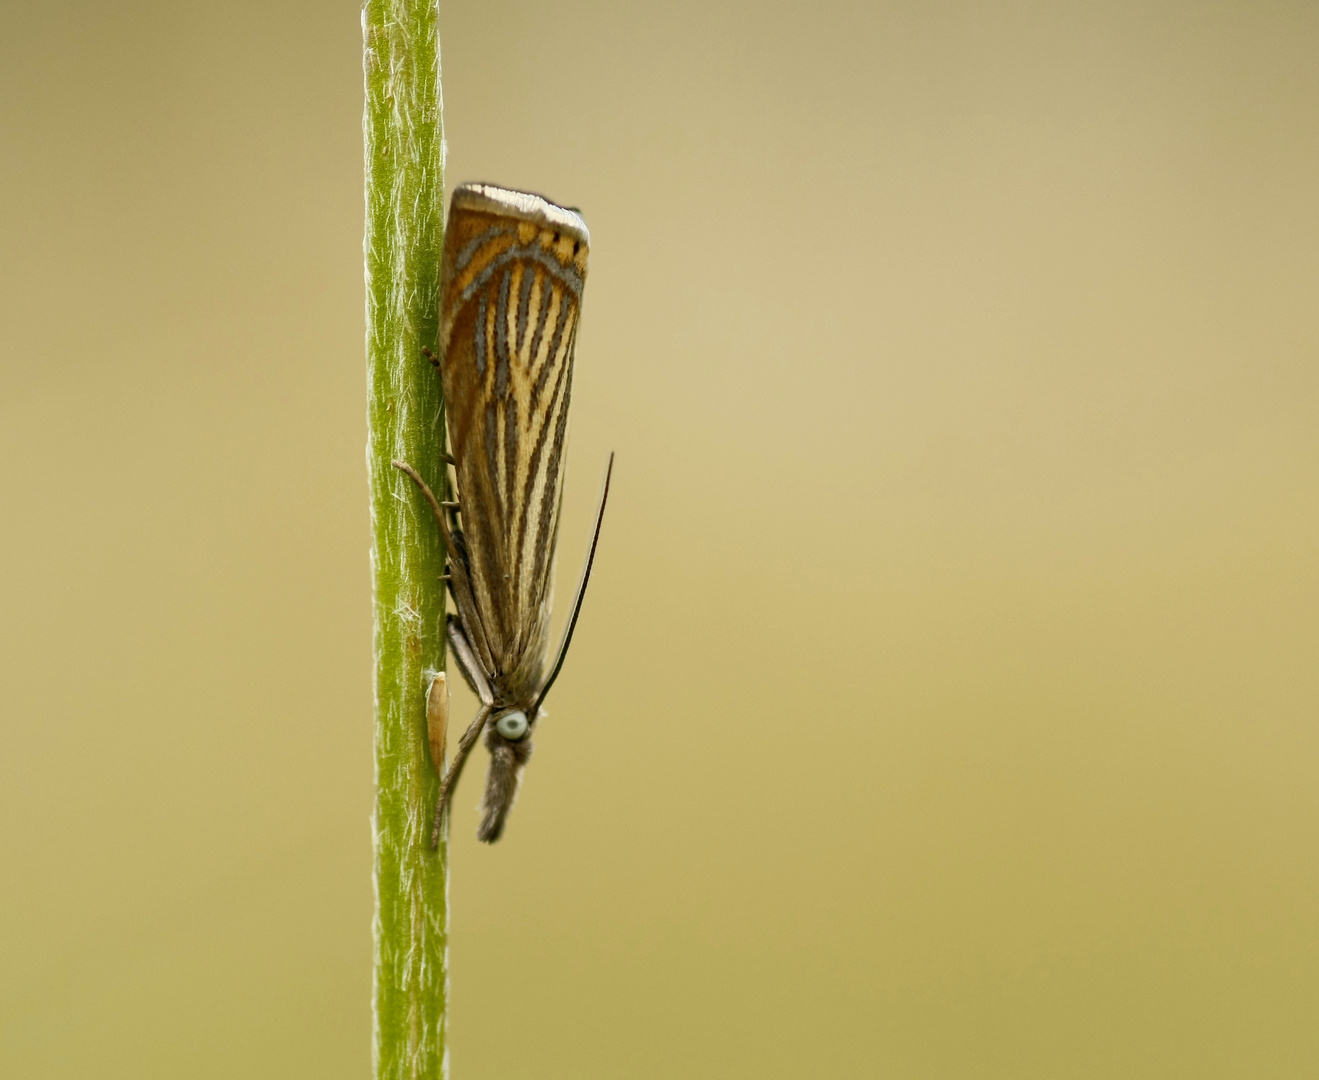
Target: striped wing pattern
[(511, 288)]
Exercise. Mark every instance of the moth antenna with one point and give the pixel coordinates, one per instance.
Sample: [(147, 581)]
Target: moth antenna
[(577, 600)]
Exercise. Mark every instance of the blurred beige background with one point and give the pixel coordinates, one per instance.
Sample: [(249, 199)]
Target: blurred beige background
[(945, 704)]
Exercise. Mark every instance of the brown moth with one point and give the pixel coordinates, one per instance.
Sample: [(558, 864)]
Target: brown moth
[(511, 283)]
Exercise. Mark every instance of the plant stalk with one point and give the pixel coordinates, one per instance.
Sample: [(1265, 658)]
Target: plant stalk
[(403, 129)]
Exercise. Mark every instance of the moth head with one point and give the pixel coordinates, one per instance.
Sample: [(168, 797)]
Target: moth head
[(513, 725)]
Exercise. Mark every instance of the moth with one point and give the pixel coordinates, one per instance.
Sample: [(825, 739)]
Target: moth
[(511, 280)]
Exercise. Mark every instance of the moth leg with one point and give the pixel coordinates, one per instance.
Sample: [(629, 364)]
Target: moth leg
[(460, 580), (437, 505), (435, 363), (465, 745), (454, 508), (468, 665), (426, 492)]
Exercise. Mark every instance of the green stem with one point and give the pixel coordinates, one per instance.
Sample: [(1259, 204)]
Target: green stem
[(404, 230)]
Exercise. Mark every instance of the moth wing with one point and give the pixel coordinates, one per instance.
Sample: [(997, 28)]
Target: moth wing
[(511, 291)]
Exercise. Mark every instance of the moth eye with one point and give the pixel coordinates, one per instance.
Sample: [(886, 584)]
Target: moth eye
[(512, 726)]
